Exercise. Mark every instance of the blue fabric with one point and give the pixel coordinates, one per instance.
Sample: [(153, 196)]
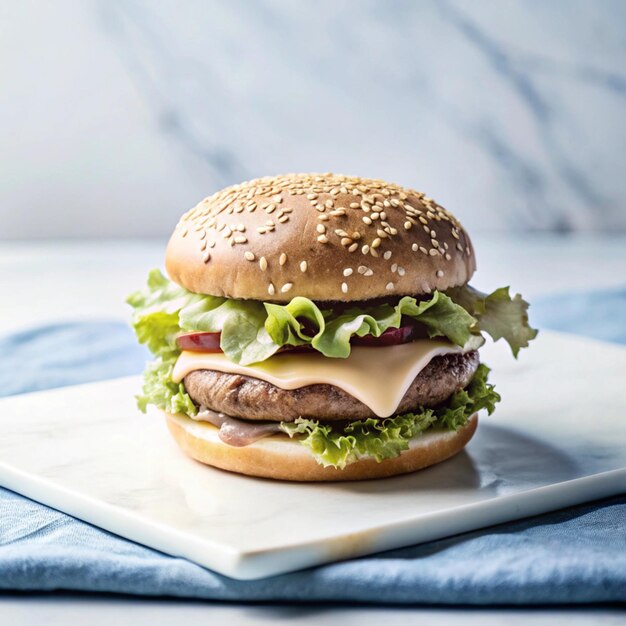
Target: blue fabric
[(574, 555)]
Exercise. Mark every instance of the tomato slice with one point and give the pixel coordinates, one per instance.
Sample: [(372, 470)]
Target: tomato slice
[(210, 342), (200, 342)]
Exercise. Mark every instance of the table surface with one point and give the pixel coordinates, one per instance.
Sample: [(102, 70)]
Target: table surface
[(60, 280)]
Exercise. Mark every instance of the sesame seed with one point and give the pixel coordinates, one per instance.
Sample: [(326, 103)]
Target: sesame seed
[(375, 215), (240, 239), (263, 263), (448, 257), (439, 273), (320, 228), (322, 238), (353, 247), (408, 225), (282, 259), (303, 266), (341, 233), (389, 286), (344, 287), (423, 250), (206, 257), (346, 241), (211, 244), (387, 255), (401, 271), (249, 255), (365, 249), (367, 220), (433, 252), (311, 196), (394, 267), (368, 272), (375, 243), (374, 252), (354, 205), (329, 204), (271, 289), (286, 287), (415, 247), (434, 243), (347, 271), (184, 232), (270, 208), (361, 269), (423, 219), (283, 219)]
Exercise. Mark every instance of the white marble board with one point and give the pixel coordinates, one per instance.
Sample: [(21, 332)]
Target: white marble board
[(557, 439)]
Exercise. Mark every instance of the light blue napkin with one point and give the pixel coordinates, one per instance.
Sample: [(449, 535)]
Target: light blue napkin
[(574, 555)]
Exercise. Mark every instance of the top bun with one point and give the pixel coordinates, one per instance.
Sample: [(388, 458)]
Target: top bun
[(321, 236)]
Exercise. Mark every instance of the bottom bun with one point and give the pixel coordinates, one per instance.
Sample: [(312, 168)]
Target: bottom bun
[(282, 458)]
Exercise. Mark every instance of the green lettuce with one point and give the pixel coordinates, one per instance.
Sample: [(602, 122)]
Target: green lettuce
[(253, 331), (330, 334), (160, 390), (498, 314), (388, 438)]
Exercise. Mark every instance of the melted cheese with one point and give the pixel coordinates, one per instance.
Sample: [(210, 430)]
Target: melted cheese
[(379, 377)]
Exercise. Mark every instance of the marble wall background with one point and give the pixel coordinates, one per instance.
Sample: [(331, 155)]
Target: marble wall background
[(115, 116)]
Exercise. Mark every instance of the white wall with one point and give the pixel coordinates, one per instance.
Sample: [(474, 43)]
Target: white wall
[(117, 116)]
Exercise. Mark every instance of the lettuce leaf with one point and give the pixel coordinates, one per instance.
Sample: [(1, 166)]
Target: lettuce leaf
[(388, 438), (244, 338), (160, 390), (439, 315), (253, 331), (156, 315), (498, 314)]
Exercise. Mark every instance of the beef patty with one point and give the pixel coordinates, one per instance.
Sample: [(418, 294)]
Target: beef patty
[(250, 398)]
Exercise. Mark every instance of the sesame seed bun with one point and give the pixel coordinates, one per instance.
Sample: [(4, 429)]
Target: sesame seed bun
[(282, 458), (321, 236)]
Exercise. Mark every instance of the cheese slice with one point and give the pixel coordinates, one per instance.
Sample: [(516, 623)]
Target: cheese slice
[(377, 376)]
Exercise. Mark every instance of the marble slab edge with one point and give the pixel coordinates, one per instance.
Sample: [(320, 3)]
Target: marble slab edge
[(251, 565)]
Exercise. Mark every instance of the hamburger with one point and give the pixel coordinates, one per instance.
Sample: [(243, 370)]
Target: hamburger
[(321, 327)]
